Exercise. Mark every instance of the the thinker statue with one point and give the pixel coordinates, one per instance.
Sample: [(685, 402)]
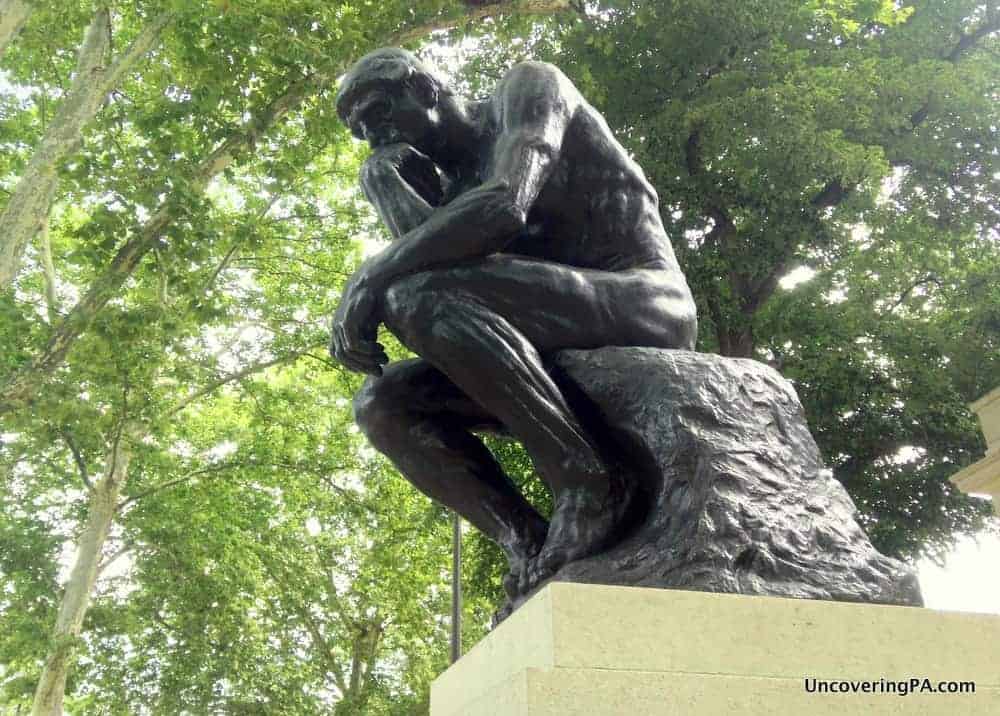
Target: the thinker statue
[(521, 228)]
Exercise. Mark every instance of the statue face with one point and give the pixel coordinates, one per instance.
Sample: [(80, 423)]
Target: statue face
[(386, 116)]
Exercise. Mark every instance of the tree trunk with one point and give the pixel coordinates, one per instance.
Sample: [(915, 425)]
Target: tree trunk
[(104, 503), (736, 343), (13, 14), (363, 653), (49, 271), (100, 516), (29, 203)]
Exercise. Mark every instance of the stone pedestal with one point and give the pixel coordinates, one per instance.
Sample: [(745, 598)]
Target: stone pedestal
[(983, 477), (595, 650)]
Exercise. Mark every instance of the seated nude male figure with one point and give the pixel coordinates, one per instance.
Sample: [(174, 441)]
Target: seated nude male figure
[(521, 228)]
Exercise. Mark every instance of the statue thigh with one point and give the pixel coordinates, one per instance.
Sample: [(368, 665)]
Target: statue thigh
[(554, 306)]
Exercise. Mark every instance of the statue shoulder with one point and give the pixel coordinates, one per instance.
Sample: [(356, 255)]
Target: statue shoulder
[(533, 74), (528, 85)]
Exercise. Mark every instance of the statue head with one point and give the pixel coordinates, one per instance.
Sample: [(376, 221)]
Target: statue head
[(391, 96)]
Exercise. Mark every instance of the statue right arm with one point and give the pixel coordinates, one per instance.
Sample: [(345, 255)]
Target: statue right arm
[(403, 186)]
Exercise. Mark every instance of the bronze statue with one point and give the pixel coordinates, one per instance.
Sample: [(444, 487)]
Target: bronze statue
[(521, 228)]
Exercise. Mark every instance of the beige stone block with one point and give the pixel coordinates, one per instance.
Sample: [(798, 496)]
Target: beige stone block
[(983, 477), (585, 692), (590, 649), (988, 410)]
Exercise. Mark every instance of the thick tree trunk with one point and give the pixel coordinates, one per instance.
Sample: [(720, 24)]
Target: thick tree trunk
[(13, 14), (29, 203), (76, 598), (736, 343)]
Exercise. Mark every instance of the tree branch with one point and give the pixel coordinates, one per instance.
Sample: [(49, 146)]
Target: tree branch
[(31, 200), (238, 375), (125, 549), (167, 484), (480, 12), (966, 42), (236, 244), (723, 229), (48, 266), (830, 195), (319, 640), (692, 153), (325, 361), (81, 464), (143, 43), (908, 291), (240, 464), (969, 39)]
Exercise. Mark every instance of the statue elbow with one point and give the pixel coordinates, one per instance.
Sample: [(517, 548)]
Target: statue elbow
[(505, 210), (517, 218)]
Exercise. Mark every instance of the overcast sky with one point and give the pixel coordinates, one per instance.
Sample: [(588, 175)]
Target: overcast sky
[(970, 579)]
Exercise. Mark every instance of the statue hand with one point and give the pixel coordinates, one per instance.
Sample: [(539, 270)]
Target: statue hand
[(389, 163), (355, 326)]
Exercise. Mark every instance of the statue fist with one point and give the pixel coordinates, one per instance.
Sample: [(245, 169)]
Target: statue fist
[(390, 162)]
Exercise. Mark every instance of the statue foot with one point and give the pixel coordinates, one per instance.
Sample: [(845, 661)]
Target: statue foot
[(502, 613), (521, 555), (515, 582), (516, 579), (581, 525)]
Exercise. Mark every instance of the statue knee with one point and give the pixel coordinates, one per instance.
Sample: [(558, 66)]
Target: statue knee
[(373, 410), (410, 311), (400, 305), (683, 325)]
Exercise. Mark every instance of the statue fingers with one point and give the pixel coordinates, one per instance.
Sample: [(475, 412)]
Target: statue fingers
[(361, 363), (365, 357), (342, 352), (336, 340), (374, 354)]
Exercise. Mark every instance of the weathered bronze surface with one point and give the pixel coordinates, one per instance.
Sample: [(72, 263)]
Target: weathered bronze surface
[(522, 229)]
